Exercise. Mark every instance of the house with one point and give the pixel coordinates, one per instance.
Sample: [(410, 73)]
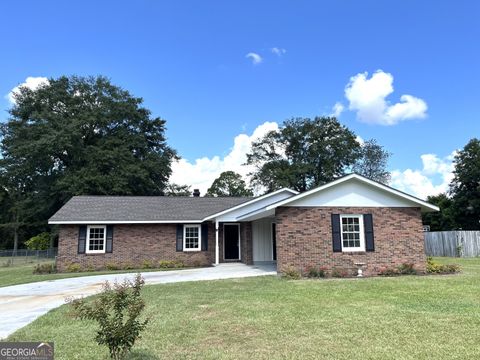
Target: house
[(348, 221)]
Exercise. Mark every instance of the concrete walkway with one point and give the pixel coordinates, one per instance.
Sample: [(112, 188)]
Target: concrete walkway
[(21, 304)]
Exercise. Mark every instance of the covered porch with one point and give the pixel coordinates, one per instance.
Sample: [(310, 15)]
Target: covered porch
[(250, 242), (247, 232)]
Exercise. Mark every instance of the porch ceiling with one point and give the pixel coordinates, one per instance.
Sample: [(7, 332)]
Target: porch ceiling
[(258, 214)]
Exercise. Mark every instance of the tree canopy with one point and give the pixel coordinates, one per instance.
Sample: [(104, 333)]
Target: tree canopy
[(229, 183), (465, 186), (444, 219), (303, 153), (79, 135), (372, 162), (173, 189)]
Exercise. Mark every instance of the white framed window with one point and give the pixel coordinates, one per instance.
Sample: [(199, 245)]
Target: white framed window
[(192, 238), (353, 238), (96, 239)]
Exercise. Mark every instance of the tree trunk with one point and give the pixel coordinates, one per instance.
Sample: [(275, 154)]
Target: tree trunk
[(15, 234), (15, 239)]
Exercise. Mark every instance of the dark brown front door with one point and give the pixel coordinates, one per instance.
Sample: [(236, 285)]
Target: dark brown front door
[(231, 238)]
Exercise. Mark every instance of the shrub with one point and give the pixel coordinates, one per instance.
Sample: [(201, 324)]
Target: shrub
[(39, 242), (437, 268), (74, 267), (179, 264), (339, 273), (147, 264), (128, 266), (117, 310), (291, 273), (313, 272), (407, 269), (112, 266), (170, 264), (391, 271), (46, 268), (90, 268)]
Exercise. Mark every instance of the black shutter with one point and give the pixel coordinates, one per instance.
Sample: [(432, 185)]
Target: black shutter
[(336, 235), (368, 228), (109, 245), (179, 237), (82, 238), (205, 237)]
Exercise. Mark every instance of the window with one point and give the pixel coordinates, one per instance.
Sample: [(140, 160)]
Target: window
[(96, 238), (352, 233), (191, 238)]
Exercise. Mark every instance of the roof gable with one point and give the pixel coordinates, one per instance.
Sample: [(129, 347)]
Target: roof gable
[(232, 214), (355, 191)]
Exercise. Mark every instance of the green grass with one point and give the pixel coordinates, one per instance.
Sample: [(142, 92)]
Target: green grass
[(22, 273), (409, 317)]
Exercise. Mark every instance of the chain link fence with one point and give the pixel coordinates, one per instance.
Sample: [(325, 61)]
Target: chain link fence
[(25, 256)]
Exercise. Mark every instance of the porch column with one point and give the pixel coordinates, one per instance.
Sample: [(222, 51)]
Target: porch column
[(217, 249)]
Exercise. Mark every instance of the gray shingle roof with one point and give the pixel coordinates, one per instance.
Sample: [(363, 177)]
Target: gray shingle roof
[(142, 208)]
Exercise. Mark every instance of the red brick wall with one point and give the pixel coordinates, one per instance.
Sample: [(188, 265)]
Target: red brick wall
[(132, 244), (304, 238), (246, 242)]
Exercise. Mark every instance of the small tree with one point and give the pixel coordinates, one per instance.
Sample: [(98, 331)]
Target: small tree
[(117, 310), (39, 242)]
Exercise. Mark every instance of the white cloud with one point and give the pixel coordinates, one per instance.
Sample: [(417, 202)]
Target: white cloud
[(256, 59), (368, 97), (434, 177), (203, 171), (337, 109), (278, 51), (31, 82)]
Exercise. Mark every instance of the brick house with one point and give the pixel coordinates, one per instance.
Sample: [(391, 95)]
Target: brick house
[(343, 223)]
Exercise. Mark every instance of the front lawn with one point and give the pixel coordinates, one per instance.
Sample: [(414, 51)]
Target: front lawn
[(22, 273), (410, 317)]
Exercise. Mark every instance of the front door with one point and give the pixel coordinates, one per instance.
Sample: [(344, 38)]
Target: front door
[(231, 241)]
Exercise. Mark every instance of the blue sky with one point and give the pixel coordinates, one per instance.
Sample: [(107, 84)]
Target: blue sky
[(188, 60)]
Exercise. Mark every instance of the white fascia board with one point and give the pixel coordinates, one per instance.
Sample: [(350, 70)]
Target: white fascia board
[(360, 178), (249, 203), (96, 222)]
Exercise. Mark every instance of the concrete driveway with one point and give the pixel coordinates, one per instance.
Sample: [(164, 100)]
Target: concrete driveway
[(21, 304)]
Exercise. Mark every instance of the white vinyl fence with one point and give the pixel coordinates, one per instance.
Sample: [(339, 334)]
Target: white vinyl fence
[(457, 243)]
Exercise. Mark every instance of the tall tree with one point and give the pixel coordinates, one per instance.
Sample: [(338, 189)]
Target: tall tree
[(77, 135), (303, 153), (373, 162), (465, 186), (173, 189), (229, 183), (443, 220)]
